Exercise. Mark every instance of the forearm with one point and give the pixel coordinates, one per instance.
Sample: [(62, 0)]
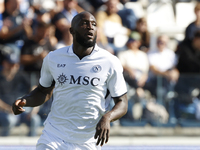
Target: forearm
[(4, 106), (119, 110), (8, 34), (157, 72), (38, 96), (29, 59)]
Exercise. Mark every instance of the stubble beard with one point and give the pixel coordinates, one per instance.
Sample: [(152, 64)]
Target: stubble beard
[(84, 42)]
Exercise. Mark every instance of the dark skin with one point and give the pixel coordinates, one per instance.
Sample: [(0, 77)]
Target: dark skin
[(83, 24)]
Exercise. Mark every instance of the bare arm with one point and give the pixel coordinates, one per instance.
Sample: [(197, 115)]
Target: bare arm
[(7, 33), (28, 59), (172, 74), (35, 98), (5, 107), (103, 126)]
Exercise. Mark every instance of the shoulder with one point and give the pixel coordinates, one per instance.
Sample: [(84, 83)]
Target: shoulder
[(106, 55), (104, 52), (142, 53), (124, 53), (169, 51), (191, 25), (101, 13), (114, 62)]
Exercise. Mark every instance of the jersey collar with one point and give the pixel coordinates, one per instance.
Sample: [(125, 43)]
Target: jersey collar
[(70, 50)]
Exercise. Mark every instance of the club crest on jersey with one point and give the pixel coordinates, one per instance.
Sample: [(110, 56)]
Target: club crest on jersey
[(96, 68), (62, 79)]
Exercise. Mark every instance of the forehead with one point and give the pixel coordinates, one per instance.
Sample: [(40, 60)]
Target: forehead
[(87, 17)]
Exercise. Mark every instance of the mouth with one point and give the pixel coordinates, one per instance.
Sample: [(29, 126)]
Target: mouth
[(90, 35)]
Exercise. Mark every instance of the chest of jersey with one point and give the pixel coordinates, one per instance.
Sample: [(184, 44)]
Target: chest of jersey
[(72, 72)]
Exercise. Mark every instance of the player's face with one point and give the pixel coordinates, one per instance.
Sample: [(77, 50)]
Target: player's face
[(86, 31)]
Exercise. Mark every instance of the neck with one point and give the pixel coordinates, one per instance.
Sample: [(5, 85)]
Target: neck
[(81, 51), (134, 49), (160, 49), (68, 10)]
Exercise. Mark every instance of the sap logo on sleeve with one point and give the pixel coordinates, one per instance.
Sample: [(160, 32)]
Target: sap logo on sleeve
[(61, 65)]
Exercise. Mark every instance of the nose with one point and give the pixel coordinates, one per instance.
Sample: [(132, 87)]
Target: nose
[(90, 26)]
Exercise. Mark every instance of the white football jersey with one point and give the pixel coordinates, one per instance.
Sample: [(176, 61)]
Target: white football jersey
[(80, 89)]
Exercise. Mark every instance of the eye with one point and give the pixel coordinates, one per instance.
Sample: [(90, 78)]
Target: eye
[(84, 23), (94, 24)]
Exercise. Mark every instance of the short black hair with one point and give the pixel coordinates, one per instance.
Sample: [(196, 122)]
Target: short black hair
[(78, 16)]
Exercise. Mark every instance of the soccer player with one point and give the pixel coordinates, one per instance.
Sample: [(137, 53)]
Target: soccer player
[(80, 76)]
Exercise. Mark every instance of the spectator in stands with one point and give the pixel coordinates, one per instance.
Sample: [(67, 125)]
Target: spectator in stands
[(105, 46), (135, 64), (162, 63), (13, 84), (54, 6), (128, 17), (189, 55), (65, 39), (141, 27), (62, 20), (35, 49), (189, 64), (96, 4), (110, 24), (87, 5), (187, 99), (194, 26), (43, 16), (15, 26)]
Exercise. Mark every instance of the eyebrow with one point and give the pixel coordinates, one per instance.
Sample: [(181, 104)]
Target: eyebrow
[(88, 20)]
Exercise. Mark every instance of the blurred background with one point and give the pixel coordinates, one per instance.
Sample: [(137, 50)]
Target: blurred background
[(157, 42)]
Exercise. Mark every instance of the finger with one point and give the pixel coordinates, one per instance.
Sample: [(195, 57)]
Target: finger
[(98, 141), (21, 109), (103, 138), (96, 134), (17, 102), (22, 102), (17, 109), (107, 136), (100, 137)]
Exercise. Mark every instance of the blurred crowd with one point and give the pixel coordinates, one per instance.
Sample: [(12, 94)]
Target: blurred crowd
[(163, 83)]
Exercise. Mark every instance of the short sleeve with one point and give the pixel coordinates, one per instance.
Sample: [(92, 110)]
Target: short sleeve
[(116, 83), (46, 78)]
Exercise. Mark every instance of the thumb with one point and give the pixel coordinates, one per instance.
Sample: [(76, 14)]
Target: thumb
[(22, 103)]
